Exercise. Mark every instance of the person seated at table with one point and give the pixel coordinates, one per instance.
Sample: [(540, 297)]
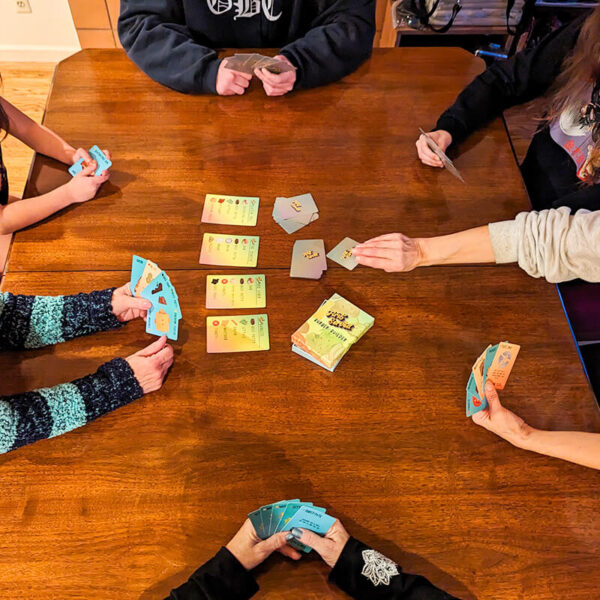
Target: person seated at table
[(358, 570), (552, 243), (81, 188), (175, 41), (562, 166), (37, 321)]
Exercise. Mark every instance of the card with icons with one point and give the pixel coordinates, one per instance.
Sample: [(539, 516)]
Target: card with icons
[(494, 364), (229, 250), (342, 254), (101, 160), (308, 259), (287, 514), (236, 291), (237, 333), (150, 282), (294, 213), (230, 210)]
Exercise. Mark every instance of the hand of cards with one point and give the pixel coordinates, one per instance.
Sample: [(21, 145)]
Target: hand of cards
[(326, 337), (247, 63), (495, 364), (287, 514), (296, 212), (97, 155), (150, 282)]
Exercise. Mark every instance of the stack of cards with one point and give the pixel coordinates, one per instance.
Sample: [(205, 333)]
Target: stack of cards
[(308, 259), (150, 282), (495, 364), (100, 158), (229, 250), (287, 514), (230, 210), (326, 337), (342, 254), (237, 333), (295, 213), (246, 63)]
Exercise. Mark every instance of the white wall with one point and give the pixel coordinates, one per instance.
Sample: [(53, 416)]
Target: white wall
[(47, 34)]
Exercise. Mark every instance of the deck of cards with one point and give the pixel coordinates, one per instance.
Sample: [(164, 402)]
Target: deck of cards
[(287, 514), (495, 365), (308, 259), (150, 282), (247, 63), (294, 213), (97, 155), (331, 331)]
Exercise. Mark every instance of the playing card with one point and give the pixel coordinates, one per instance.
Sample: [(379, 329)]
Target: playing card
[(478, 372), (231, 250), (309, 517), (474, 402), (236, 291), (256, 520), (442, 156), (308, 259), (342, 254), (77, 167), (291, 508), (151, 271), (100, 158), (306, 355), (294, 213), (230, 210), (489, 357), (137, 268), (163, 318), (237, 333), (277, 514), (502, 364)]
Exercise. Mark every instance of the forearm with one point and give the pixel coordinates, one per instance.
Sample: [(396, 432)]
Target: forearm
[(465, 247)]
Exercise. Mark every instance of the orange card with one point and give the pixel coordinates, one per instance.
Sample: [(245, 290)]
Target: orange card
[(502, 364)]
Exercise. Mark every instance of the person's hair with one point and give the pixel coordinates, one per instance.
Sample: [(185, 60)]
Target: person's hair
[(3, 119), (580, 70)]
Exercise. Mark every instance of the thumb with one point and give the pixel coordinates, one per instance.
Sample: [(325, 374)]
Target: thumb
[(154, 347), (140, 303), (492, 396), (316, 542)]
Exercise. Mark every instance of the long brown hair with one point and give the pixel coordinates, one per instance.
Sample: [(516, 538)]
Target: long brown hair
[(3, 118), (580, 70)]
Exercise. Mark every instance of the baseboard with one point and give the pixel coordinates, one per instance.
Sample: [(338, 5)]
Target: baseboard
[(35, 53)]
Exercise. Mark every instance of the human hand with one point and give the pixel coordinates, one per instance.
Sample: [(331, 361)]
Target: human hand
[(392, 252), (277, 84), (428, 157), (84, 186), (151, 364), (230, 83), (250, 550), (127, 307), (328, 547)]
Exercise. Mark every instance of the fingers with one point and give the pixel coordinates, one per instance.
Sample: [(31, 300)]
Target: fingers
[(426, 155), (125, 290), (316, 542), (139, 303), (89, 170), (492, 396), (242, 80), (375, 263), (387, 237), (384, 252), (290, 552), (165, 356), (275, 542), (481, 417), (106, 153), (275, 79), (154, 347)]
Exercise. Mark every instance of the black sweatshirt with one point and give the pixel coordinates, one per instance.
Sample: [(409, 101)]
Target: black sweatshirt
[(174, 41), (549, 172), (3, 182), (361, 572)]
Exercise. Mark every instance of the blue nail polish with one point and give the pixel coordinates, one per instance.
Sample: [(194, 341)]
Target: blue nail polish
[(297, 533), (289, 537)]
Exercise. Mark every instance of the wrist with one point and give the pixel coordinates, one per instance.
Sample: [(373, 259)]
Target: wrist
[(238, 556), (523, 438), (69, 152), (428, 252)]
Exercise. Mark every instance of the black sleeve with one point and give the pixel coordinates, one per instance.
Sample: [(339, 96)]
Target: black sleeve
[(221, 578), (586, 196), (339, 40), (365, 574), (519, 79), (156, 38)]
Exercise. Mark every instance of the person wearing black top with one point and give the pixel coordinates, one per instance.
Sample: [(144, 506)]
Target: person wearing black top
[(175, 41), (358, 570), (558, 160)]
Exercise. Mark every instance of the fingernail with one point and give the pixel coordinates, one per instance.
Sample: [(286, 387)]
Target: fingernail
[(297, 533), (289, 537), (489, 386)]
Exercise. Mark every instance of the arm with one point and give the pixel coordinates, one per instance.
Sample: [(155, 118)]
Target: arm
[(154, 34), (519, 79), (45, 413), (339, 40)]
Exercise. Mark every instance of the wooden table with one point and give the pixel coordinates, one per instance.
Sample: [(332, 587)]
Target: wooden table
[(130, 505)]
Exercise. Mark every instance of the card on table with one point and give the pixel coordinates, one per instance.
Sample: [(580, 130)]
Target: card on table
[(229, 250), (236, 291), (308, 259), (294, 213), (230, 210), (342, 254), (237, 333), (100, 158)]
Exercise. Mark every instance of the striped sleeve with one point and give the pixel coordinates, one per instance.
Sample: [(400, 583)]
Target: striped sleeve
[(48, 412), (36, 321)]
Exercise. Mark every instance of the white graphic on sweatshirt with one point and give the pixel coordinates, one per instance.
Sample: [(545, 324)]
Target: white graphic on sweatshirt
[(243, 8), (378, 569)]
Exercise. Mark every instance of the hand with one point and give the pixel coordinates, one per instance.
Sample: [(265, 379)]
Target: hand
[(151, 364), (84, 186), (250, 550), (500, 420), (392, 252), (126, 307), (428, 157), (230, 83), (329, 547), (277, 85)]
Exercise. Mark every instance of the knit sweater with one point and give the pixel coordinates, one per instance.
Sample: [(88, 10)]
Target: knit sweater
[(36, 321)]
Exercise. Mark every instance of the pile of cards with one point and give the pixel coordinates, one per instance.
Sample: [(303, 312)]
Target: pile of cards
[(295, 213), (230, 210), (342, 254), (308, 259), (229, 250), (495, 365), (97, 155), (326, 337), (150, 282), (237, 333), (246, 63), (287, 514)]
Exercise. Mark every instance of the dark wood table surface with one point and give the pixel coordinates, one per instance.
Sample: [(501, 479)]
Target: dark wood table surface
[(127, 507)]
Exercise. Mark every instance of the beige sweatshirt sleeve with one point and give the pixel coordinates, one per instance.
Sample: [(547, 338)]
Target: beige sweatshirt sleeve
[(551, 243)]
